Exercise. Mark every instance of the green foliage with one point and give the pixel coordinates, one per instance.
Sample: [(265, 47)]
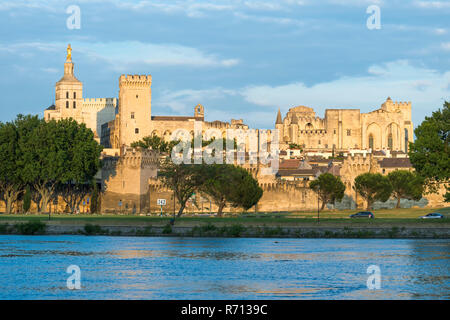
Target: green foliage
[(31, 227), (26, 200), (329, 187), (295, 146), (92, 229), (167, 229), (430, 152), (226, 183), (155, 143), (234, 230), (373, 187), (183, 179), (406, 184), (4, 228)]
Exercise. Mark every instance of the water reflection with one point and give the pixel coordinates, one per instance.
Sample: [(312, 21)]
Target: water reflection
[(34, 267)]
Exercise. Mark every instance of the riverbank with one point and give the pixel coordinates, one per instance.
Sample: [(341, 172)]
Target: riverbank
[(211, 229), (400, 223)]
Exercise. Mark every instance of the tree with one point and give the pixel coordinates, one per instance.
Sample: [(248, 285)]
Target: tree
[(183, 179), (155, 143), (42, 157), (405, 184), (10, 180), (430, 152), (373, 187), (246, 191), (226, 183), (82, 162), (329, 188), (26, 200), (95, 201)]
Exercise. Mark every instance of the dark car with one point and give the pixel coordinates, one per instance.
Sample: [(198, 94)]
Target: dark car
[(363, 214), (433, 215)]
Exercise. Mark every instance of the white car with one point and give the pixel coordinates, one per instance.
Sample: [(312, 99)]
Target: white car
[(433, 215)]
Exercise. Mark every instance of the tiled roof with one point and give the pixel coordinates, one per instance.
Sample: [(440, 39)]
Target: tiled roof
[(395, 163)]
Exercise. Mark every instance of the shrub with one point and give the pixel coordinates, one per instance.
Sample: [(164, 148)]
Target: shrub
[(167, 229), (91, 229), (31, 227)]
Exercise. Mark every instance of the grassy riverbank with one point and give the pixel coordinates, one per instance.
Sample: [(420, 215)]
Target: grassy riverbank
[(401, 223)]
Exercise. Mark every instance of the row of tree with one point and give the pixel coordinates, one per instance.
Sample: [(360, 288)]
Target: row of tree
[(400, 184), (43, 160), (224, 184)]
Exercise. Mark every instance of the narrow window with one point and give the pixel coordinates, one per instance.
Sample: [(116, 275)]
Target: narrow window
[(349, 132), (132, 115), (74, 95), (334, 131), (67, 104), (390, 141), (74, 105), (371, 142), (67, 94), (137, 96), (136, 130)]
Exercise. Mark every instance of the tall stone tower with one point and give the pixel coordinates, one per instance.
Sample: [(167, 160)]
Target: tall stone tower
[(69, 91), (134, 108)]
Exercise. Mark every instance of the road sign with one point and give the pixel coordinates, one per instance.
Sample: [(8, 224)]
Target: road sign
[(161, 202)]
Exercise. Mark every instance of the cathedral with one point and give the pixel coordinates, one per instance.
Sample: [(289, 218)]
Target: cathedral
[(387, 128)]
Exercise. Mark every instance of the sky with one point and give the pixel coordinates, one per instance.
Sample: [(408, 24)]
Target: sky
[(241, 59)]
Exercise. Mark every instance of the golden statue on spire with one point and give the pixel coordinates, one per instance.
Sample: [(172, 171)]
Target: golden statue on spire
[(69, 53)]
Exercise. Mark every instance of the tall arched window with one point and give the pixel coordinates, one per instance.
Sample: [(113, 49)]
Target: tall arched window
[(406, 140), (67, 94), (390, 141), (67, 104), (74, 105), (371, 142), (74, 95)]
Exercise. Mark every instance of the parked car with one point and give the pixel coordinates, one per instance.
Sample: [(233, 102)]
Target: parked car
[(363, 214), (433, 215)]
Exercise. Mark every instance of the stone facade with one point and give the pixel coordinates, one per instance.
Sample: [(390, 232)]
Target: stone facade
[(365, 142), (69, 102), (389, 127)]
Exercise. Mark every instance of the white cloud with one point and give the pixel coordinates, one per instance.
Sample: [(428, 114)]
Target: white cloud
[(446, 46), (120, 55), (425, 88), (432, 4), (183, 101)]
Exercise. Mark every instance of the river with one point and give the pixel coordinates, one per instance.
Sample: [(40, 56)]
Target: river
[(35, 267)]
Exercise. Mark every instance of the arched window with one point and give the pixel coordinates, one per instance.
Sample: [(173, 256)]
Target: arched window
[(74, 105), (371, 142), (74, 95), (67, 104), (67, 94), (390, 141), (406, 140)]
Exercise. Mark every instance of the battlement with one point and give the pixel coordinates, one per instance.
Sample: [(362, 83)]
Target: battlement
[(135, 79), (100, 100), (391, 105)]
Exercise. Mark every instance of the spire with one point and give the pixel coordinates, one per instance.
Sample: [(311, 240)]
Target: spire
[(69, 75), (279, 121)]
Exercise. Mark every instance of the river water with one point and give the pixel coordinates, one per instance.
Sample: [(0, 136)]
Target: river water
[(35, 267)]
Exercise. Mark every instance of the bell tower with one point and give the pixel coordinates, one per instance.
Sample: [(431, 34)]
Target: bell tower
[(69, 91)]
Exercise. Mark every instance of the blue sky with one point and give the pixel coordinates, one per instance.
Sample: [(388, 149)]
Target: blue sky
[(239, 58)]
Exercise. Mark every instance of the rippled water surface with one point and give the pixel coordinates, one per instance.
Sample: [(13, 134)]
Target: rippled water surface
[(34, 267)]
